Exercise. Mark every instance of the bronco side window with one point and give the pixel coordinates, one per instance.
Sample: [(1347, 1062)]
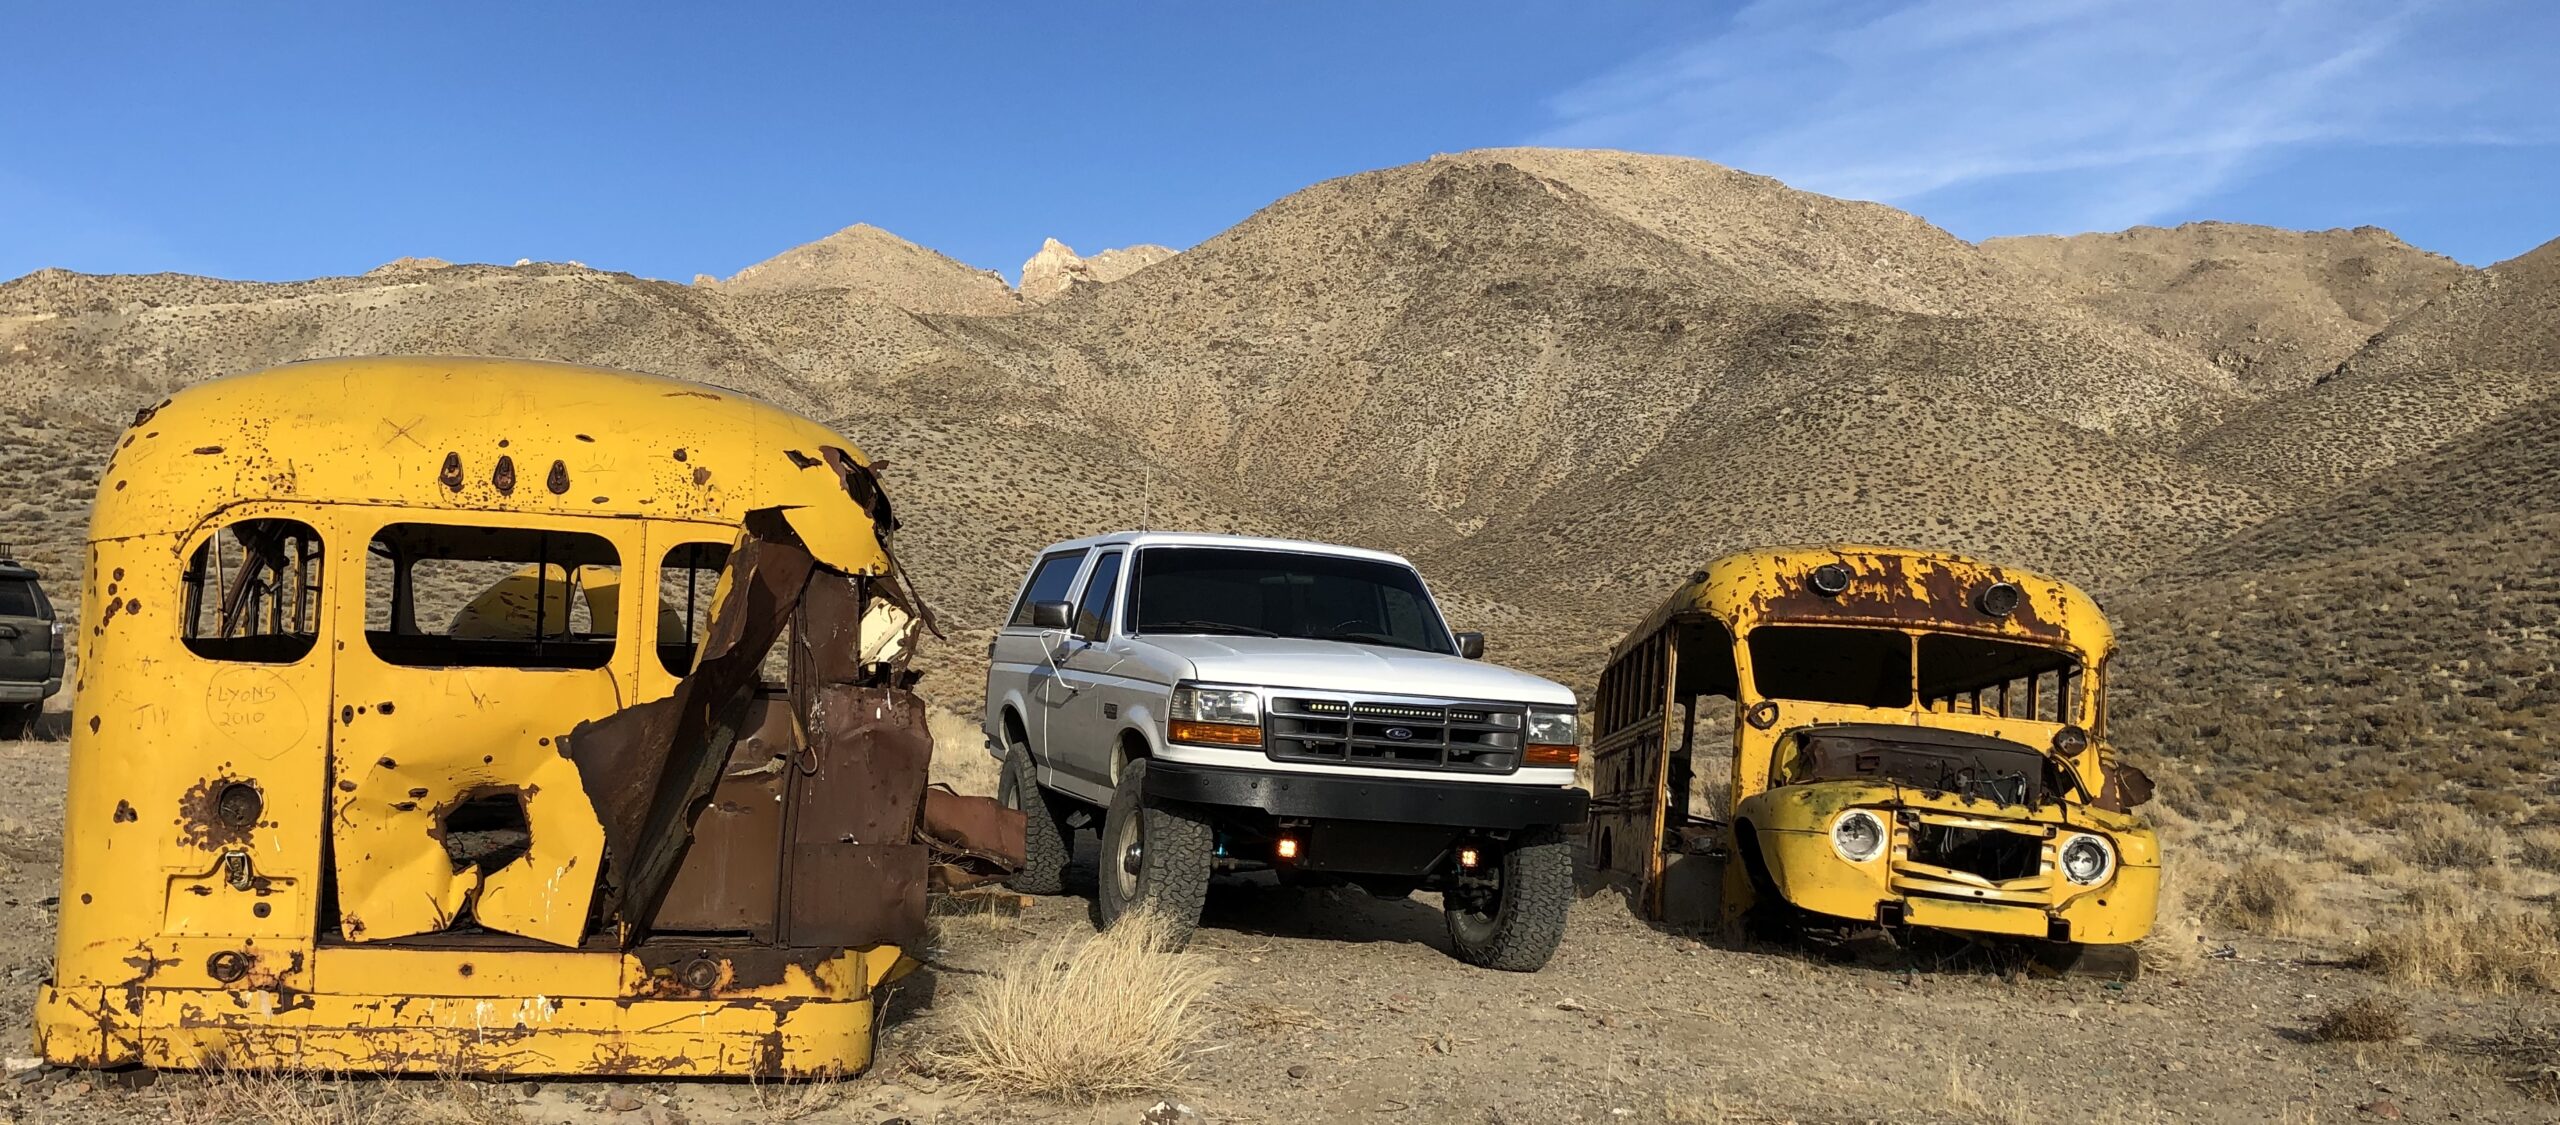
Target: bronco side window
[(1093, 611), (1049, 583), (253, 593), (495, 597)]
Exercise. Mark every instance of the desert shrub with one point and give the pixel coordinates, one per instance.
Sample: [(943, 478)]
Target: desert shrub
[(2529, 1051), (2176, 943), (2442, 836), (2265, 895), (2540, 849), (1112, 1017), (2371, 1018), (2456, 936)]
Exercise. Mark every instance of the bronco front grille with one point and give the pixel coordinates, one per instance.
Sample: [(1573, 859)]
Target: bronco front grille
[(1396, 734)]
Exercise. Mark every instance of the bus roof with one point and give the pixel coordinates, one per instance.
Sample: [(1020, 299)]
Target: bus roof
[(465, 434), (1894, 587)]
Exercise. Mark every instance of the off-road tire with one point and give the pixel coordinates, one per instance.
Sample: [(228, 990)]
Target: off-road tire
[(1176, 852), (1047, 843), (18, 720), (1526, 923)]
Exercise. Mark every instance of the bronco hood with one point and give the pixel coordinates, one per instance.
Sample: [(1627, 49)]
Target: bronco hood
[(1292, 662)]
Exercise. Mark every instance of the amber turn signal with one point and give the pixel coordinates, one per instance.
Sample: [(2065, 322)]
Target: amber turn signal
[(1214, 734), (1540, 754)]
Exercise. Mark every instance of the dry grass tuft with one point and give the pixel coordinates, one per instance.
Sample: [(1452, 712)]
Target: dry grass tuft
[(2540, 849), (795, 1099), (2455, 936), (2530, 1053), (960, 757), (2443, 836), (2176, 943), (222, 1097), (2268, 895), (2371, 1018), (1110, 1018)]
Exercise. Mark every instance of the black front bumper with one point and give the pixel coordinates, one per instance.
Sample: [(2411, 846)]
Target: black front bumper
[(1392, 800)]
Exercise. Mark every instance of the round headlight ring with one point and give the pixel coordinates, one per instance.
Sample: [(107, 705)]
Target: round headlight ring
[(1858, 835), (2087, 846)]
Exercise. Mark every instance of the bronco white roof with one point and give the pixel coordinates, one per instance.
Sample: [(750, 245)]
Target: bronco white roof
[(1215, 539)]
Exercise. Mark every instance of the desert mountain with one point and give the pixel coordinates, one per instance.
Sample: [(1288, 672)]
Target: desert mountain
[(1057, 269), (1559, 380), (1475, 351), (880, 267), (2276, 308), (2486, 345)]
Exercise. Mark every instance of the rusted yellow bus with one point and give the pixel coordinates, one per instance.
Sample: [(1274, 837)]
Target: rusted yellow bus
[(1906, 738), (425, 723)]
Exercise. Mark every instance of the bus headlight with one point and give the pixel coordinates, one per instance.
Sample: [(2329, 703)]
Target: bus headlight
[(2087, 859), (1858, 835)]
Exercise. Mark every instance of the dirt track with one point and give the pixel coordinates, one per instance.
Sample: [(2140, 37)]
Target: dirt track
[(1341, 1007)]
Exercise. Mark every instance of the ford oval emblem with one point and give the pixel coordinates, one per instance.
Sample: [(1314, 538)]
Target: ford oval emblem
[(1399, 733)]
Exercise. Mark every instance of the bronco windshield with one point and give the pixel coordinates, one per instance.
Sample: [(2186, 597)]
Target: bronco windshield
[(1888, 668), (1249, 592)]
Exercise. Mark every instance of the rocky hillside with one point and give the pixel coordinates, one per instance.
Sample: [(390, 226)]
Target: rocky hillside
[(2396, 641), (2481, 348), (1559, 380), (878, 266), (2276, 308), (1058, 270)]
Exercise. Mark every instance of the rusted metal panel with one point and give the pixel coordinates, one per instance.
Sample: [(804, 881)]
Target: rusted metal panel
[(730, 880), (974, 840), (1906, 589), (649, 769), (857, 895)]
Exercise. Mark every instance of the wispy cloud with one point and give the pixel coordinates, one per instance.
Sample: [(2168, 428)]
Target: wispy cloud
[(2112, 112)]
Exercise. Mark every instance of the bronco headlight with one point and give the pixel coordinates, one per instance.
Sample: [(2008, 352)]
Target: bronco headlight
[(1214, 716), (2087, 859), (1858, 835), (1554, 739)]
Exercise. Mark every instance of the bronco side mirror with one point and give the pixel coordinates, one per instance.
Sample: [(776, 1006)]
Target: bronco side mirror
[(1471, 646), (1052, 615)]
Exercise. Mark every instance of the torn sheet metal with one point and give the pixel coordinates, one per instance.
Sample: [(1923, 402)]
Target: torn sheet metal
[(853, 861), (649, 769)]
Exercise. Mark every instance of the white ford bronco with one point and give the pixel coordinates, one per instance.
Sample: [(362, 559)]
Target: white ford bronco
[(1215, 704)]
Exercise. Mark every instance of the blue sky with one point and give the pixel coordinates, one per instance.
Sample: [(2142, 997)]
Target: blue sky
[(262, 140)]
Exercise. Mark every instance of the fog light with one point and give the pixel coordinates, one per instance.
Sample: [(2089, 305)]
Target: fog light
[(1288, 847), (2086, 860), (1467, 858), (1858, 835)]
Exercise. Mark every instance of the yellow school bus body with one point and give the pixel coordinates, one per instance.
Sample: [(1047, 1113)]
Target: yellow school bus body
[(1775, 833), (191, 926)]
